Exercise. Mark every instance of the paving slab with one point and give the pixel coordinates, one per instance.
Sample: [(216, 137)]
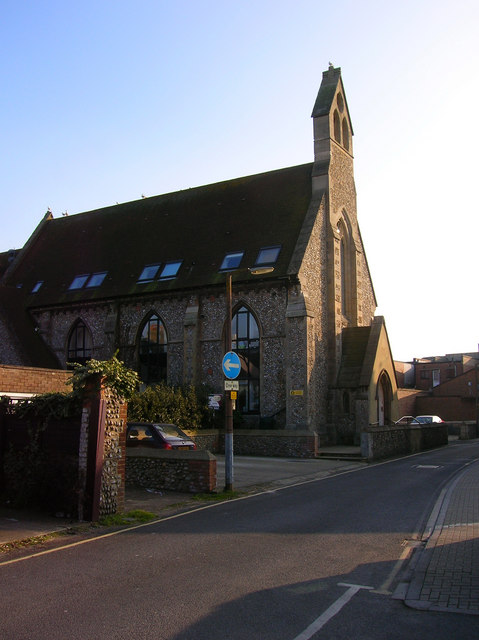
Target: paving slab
[(446, 576)]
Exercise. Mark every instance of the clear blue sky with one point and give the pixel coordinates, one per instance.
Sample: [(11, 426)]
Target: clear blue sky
[(104, 101)]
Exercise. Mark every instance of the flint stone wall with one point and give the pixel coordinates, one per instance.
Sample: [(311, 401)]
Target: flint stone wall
[(184, 471), (465, 430), (112, 497), (207, 439), (273, 443), (279, 444), (397, 440)]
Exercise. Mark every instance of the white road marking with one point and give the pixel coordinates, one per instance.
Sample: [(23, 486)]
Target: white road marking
[(210, 506), (332, 610)]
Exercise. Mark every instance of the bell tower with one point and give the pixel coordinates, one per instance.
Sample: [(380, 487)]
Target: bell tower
[(351, 299)]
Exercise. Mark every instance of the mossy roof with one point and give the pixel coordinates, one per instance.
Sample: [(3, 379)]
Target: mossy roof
[(198, 226)]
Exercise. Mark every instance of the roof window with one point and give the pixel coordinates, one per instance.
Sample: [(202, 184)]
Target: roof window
[(87, 280), (149, 273), (37, 286), (268, 255), (232, 261), (96, 279), (170, 269), (79, 282)]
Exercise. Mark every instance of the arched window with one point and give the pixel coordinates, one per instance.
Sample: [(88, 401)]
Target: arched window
[(152, 352), (342, 253), (337, 127), (345, 134), (346, 281), (245, 341), (80, 344)]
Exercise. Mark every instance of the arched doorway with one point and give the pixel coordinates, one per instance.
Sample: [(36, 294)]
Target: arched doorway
[(384, 397)]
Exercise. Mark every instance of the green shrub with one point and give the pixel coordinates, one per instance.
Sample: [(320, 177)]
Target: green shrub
[(187, 407)]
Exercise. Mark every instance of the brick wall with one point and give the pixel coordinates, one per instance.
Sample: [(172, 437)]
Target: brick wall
[(407, 402), (32, 380)]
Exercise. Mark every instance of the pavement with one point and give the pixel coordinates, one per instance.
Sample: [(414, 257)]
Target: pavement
[(443, 573)]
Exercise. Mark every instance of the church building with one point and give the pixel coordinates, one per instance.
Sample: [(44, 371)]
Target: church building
[(147, 279)]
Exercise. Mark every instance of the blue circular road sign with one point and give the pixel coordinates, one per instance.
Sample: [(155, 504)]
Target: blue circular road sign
[(231, 365)]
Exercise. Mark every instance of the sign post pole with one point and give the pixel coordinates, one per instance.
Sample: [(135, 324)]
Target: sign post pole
[(231, 370), (228, 402)]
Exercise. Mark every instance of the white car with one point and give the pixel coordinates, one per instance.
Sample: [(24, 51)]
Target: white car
[(428, 419), (407, 420)]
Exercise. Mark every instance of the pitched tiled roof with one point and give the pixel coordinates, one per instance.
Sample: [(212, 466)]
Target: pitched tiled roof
[(326, 92), (355, 342), (359, 350), (198, 226)]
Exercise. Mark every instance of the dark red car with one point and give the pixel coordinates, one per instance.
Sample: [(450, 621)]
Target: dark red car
[(157, 435)]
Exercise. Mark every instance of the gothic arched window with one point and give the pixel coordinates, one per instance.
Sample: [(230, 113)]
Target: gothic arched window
[(80, 343), (342, 253), (245, 342), (337, 127), (152, 352), (345, 134)]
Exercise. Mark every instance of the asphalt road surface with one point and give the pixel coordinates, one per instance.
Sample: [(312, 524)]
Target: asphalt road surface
[(314, 560)]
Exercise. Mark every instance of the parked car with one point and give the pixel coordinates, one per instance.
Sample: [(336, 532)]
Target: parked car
[(157, 435), (407, 420), (428, 419)]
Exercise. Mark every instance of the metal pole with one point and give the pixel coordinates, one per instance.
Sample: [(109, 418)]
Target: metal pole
[(477, 400), (228, 401)]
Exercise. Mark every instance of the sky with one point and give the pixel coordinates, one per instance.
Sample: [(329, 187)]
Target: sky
[(108, 100)]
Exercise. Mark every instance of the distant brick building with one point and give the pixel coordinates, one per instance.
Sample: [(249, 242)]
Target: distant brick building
[(447, 386), (434, 371), (147, 279)]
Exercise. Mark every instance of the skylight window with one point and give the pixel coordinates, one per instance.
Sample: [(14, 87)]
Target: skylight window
[(149, 273), (268, 255), (232, 261), (79, 282), (37, 286), (96, 279), (170, 269)]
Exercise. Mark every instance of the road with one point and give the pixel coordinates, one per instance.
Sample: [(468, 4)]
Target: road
[(314, 560)]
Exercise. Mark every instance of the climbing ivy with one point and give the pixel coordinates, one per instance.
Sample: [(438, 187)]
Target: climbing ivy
[(113, 372)]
